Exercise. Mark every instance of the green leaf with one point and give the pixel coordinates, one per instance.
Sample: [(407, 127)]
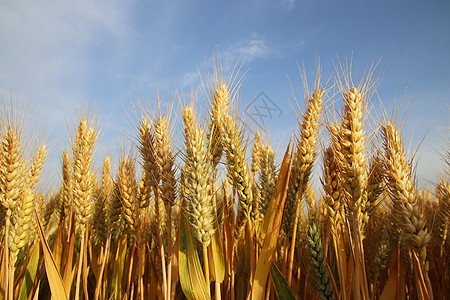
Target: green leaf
[(30, 274), (281, 286)]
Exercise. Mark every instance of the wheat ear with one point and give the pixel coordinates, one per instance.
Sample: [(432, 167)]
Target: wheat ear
[(83, 175), (374, 186), (198, 184), (319, 265), (443, 196), (127, 188), (351, 155), (305, 156), (100, 207), (267, 177), (114, 212), (197, 179), (23, 217), (256, 154), (11, 171), (66, 192), (83, 183), (219, 108), (332, 188), (166, 167), (238, 171), (403, 193)]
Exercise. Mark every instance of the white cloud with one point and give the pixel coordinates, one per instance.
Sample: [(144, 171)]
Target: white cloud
[(287, 4)]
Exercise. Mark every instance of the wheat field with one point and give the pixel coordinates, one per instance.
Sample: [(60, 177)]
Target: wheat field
[(219, 217)]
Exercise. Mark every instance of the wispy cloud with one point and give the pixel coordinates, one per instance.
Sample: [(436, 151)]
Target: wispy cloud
[(189, 79), (46, 49), (249, 49), (46, 45)]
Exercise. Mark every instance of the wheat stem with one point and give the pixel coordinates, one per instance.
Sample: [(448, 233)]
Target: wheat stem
[(206, 267)]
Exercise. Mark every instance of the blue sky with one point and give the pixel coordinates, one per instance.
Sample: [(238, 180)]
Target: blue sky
[(62, 53)]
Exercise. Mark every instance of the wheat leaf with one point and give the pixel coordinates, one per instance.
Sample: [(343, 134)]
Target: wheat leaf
[(30, 274), (271, 227), (281, 286), (54, 278)]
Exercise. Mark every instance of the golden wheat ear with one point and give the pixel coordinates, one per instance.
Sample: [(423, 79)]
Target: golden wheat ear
[(83, 175), (332, 188), (12, 172), (22, 220), (100, 214), (443, 196), (237, 169), (197, 179), (304, 156), (126, 179), (402, 190), (219, 108)]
